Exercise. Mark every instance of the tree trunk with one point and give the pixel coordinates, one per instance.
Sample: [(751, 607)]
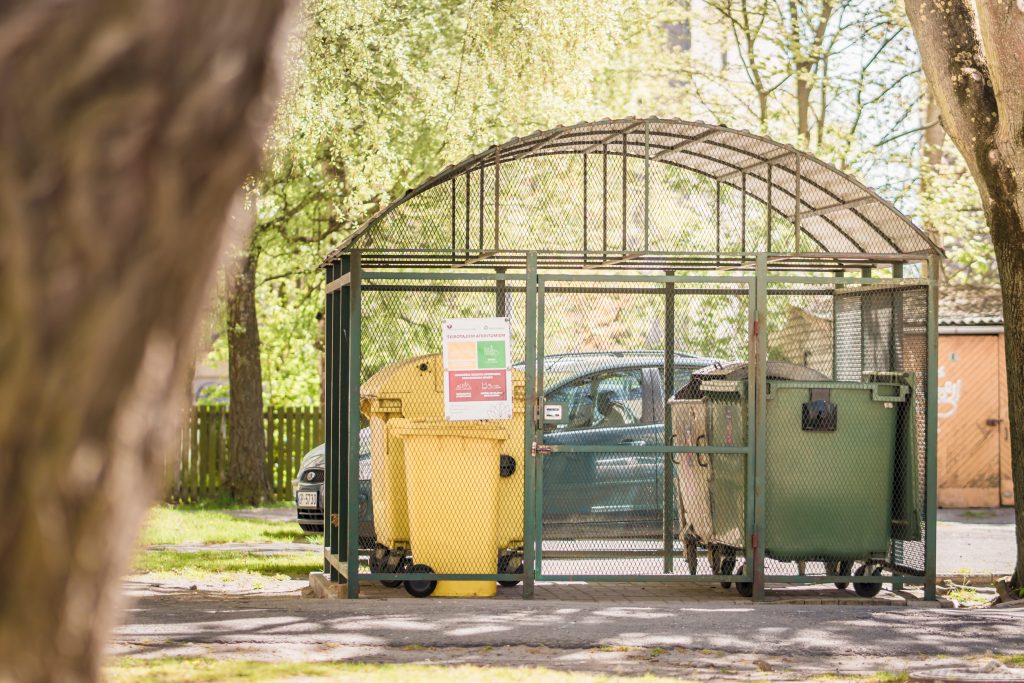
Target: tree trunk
[(126, 129), (246, 476), (971, 55)]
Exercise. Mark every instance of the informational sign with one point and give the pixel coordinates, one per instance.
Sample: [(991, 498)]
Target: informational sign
[(477, 369)]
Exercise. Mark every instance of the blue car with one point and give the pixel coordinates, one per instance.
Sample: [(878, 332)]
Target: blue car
[(606, 398)]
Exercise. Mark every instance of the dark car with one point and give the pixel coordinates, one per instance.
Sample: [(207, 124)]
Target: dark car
[(606, 398)]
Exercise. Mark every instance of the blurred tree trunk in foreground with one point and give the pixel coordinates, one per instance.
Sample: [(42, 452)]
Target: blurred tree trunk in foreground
[(126, 128), (247, 478), (971, 53)]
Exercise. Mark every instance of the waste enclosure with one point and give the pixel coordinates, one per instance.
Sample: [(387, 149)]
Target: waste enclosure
[(654, 240), (831, 478)]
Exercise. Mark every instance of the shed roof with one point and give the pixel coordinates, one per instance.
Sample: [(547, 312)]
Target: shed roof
[(965, 305), (638, 193)]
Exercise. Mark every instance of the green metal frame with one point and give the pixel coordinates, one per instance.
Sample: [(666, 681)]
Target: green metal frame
[(342, 423)]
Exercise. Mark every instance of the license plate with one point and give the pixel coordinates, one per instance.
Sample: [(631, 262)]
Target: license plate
[(307, 499)]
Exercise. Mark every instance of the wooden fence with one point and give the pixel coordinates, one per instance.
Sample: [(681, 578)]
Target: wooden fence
[(198, 475)]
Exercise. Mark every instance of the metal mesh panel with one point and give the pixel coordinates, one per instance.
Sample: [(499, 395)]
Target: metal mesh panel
[(431, 481), (845, 454), (611, 503)]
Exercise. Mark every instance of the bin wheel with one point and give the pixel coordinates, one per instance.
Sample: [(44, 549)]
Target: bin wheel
[(504, 560), (420, 588), (745, 589), (844, 570), (867, 590), (380, 559), (728, 564), (690, 548)]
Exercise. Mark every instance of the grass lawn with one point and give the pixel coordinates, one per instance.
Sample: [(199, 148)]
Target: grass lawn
[(206, 564), (173, 524), (130, 670), (203, 670)]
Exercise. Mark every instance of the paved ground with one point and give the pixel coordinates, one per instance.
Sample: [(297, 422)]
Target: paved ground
[(711, 639), (695, 631)]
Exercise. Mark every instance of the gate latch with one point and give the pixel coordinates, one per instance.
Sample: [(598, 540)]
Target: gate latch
[(541, 449)]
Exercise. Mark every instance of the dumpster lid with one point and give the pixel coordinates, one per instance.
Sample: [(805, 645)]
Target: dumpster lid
[(738, 370)]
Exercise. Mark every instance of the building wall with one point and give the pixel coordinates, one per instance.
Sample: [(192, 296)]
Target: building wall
[(974, 440)]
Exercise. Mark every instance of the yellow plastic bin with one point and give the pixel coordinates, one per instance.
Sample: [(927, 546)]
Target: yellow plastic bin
[(414, 389), (452, 473)]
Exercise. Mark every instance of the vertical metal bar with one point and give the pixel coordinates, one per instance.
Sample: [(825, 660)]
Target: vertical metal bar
[(760, 422), (585, 208), (931, 428), (797, 209), (329, 342), (749, 505), (743, 212), (668, 374), (530, 541), (497, 195), (453, 218), (625, 160), (647, 186), (769, 220), (604, 202), (469, 181), (865, 272), (480, 244), (352, 446), (339, 509), (718, 219), (500, 295), (538, 435)]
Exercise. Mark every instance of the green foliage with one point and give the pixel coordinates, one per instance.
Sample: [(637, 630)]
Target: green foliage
[(384, 94)]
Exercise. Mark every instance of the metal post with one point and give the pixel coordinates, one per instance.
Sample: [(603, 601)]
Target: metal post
[(500, 295), (718, 219), (931, 428), (625, 159), (668, 501), (469, 181), (530, 540), (796, 211), (604, 202), (330, 319), (497, 195), (743, 212), (769, 201), (760, 427), (352, 414), (538, 435), (453, 217), (647, 186), (585, 208), (480, 245), (339, 482)]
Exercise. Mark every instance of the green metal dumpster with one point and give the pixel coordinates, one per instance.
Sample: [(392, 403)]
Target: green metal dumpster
[(836, 489)]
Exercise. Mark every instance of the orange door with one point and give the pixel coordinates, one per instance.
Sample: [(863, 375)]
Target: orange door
[(969, 421), (1005, 474)]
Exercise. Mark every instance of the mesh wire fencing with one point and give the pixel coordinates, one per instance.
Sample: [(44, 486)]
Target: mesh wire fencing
[(846, 444), (642, 474)]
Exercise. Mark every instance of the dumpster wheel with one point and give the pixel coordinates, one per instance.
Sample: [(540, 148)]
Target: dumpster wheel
[(745, 589), (504, 561), (690, 547), (728, 564), (867, 590), (384, 560), (844, 570), (420, 588)]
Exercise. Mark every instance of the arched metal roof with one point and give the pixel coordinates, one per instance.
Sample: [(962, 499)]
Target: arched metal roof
[(639, 194)]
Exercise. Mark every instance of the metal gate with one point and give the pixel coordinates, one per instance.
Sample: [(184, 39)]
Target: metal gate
[(607, 477)]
